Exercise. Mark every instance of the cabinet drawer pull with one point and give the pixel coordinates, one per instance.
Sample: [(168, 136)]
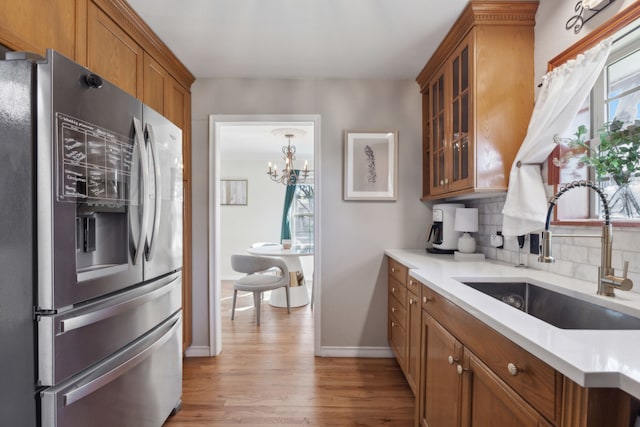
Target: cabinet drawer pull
[(513, 369), (426, 299), (451, 360)]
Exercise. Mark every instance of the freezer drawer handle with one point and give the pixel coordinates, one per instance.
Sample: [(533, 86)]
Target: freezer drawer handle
[(111, 311), (84, 390)]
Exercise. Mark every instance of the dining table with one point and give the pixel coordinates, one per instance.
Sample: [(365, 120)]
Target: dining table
[(298, 295)]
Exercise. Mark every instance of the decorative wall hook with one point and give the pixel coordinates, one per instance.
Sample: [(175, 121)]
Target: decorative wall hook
[(584, 11)]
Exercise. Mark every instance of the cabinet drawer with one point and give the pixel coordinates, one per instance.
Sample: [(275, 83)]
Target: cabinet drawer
[(530, 377), (398, 271), (414, 286), (398, 290), (398, 341), (397, 311)]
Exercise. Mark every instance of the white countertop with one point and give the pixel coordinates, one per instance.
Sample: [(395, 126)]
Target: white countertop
[(591, 358)]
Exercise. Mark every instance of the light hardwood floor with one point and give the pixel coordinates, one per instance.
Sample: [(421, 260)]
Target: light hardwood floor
[(267, 375)]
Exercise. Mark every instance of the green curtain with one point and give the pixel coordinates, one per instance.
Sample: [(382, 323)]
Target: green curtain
[(285, 231)]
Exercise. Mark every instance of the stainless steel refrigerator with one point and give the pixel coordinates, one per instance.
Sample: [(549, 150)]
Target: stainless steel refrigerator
[(90, 250)]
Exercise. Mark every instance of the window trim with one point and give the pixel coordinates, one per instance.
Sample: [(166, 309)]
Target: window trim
[(618, 22)]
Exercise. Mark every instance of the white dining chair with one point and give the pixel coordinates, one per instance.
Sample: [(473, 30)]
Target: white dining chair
[(256, 281)]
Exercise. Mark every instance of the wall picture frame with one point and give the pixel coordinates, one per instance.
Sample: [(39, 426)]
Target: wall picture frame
[(370, 165), (233, 192)]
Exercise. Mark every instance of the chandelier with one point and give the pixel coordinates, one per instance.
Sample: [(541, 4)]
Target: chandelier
[(290, 175)]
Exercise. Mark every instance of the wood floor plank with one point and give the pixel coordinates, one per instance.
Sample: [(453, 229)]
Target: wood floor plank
[(267, 375)]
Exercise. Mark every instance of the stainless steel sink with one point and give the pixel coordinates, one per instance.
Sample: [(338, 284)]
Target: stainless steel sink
[(557, 309)]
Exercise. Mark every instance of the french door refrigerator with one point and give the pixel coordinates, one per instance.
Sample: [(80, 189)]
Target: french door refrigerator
[(90, 250)]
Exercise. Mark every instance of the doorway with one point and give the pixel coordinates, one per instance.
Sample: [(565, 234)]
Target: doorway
[(233, 158)]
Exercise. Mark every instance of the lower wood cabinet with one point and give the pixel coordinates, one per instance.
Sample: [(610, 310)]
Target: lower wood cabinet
[(414, 320), (464, 373), (397, 321), (489, 401), (459, 389), (440, 395), (404, 322)]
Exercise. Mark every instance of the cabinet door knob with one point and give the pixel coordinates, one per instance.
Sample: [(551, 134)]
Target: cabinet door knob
[(446, 180), (513, 369), (393, 324), (451, 360), (412, 301), (460, 369), (410, 282), (426, 299), (393, 290), (393, 269), (441, 182), (393, 309)]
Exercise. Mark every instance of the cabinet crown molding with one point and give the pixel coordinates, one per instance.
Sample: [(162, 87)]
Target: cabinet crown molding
[(478, 13)]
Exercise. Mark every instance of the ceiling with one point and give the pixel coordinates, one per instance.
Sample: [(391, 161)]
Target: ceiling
[(386, 39), (259, 140)]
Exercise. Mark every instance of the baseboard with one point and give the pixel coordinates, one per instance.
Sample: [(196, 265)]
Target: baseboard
[(374, 352), (198, 351)]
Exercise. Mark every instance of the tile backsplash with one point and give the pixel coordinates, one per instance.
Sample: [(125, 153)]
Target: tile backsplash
[(577, 257)]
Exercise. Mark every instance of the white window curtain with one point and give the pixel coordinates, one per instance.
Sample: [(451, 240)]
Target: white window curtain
[(563, 91)]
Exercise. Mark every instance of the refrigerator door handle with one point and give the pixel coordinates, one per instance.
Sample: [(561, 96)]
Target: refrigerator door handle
[(83, 320), (84, 390), (144, 166), (156, 217)]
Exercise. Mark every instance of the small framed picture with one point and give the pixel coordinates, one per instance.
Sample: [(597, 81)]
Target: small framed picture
[(233, 192), (370, 165)]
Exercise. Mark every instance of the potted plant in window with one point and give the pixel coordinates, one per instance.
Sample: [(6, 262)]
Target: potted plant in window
[(617, 157)]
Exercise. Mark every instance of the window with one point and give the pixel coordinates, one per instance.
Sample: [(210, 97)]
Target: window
[(614, 104), (302, 216)]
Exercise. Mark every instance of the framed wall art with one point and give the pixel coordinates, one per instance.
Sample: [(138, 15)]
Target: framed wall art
[(370, 165), (233, 192)]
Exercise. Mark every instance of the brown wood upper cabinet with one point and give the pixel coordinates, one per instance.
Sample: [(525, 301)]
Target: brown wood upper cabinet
[(477, 99), (35, 25), (112, 53)]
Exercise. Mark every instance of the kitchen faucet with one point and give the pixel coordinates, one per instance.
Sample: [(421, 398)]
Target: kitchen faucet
[(607, 280)]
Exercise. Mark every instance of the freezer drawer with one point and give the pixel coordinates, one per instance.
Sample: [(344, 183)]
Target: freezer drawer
[(137, 387), (72, 341)]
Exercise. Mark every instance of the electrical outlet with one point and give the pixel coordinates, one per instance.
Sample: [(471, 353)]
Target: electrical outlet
[(534, 243)]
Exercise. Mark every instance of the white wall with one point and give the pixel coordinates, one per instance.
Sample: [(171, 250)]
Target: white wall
[(259, 221), (354, 234), (575, 257)]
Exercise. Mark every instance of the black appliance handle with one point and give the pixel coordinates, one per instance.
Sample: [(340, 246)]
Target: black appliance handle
[(437, 237)]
